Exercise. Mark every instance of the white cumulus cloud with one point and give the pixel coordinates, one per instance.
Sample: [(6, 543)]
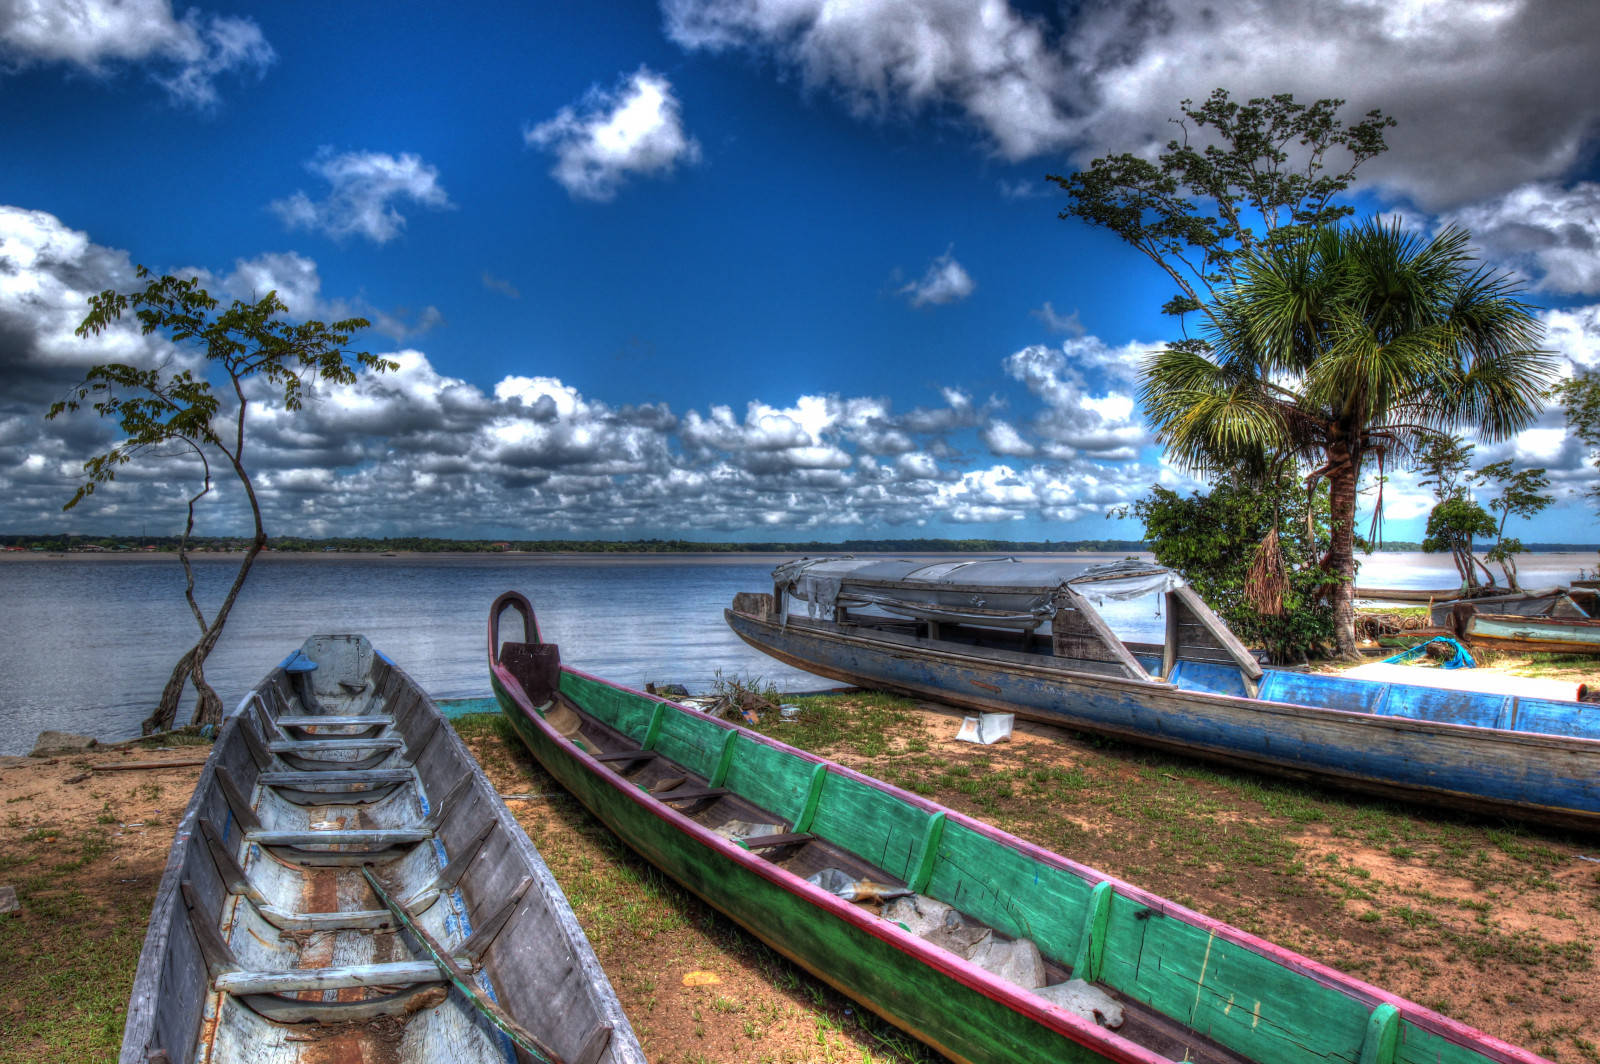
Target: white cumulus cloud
[(636, 129), (1549, 232), (364, 190), (184, 55), (944, 281)]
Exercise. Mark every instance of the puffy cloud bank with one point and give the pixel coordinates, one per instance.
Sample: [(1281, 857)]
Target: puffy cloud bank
[(418, 451), (1490, 94)]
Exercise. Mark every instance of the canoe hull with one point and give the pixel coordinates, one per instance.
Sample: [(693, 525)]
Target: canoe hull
[(959, 1021), (1190, 987), (264, 896), (1547, 778)]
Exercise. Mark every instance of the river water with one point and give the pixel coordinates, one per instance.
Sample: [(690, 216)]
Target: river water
[(87, 641)]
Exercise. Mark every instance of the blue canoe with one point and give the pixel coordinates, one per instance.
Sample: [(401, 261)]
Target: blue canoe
[(1021, 637)]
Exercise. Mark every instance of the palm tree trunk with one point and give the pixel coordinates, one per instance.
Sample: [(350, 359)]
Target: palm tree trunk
[(1341, 557)]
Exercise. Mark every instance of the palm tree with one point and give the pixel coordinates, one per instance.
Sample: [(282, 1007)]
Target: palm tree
[(1340, 345)]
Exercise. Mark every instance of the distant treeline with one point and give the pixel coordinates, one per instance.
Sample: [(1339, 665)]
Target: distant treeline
[(422, 544), (365, 544)]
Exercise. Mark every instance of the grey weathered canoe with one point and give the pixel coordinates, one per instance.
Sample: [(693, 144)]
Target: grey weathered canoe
[(346, 885), (1025, 638)]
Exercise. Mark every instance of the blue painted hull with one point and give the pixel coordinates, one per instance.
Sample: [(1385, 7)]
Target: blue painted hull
[(1533, 759)]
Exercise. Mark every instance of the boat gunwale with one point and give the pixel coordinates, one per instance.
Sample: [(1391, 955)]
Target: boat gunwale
[(1272, 706), (1008, 994)]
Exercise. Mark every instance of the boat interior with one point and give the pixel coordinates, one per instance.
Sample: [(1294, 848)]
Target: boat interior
[(353, 890), (1108, 953), (1199, 654)]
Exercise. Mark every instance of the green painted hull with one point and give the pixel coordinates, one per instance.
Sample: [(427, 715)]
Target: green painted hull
[(1192, 987), (958, 1021)]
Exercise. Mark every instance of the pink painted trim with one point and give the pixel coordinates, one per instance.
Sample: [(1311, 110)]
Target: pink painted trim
[(1068, 1024)]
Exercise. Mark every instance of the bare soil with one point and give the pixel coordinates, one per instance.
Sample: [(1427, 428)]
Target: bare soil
[(1494, 924)]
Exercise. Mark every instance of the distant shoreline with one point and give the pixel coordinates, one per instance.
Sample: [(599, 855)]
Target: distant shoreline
[(731, 557)]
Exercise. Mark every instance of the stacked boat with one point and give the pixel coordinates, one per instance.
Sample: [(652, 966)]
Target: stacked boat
[(345, 885)]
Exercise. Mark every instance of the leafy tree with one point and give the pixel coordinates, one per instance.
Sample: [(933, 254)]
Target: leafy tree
[(1199, 537), (1445, 462), (1581, 396), (1339, 346), (166, 413), (1270, 163), (1452, 526), (1521, 494)]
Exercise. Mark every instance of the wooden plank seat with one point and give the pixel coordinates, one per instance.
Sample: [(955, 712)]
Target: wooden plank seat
[(767, 842), (308, 846), (300, 980), (626, 757), (330, 746), (691, 794), (379, 837), (310, 720), (268, 992), (236, 882), (335, 777)]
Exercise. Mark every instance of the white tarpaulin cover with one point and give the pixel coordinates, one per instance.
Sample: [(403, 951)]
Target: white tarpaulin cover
[(1003, 591)]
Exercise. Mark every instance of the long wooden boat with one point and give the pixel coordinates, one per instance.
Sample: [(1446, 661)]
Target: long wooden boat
[(345, 885), (1025, 638), (984, 946), (1550, 602), (1554, 635)]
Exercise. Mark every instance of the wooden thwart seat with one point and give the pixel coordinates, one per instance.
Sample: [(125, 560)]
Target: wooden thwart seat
[(628, 755), (691, 794), (331, 746), (313, 720), (335, 777), (767, 842)]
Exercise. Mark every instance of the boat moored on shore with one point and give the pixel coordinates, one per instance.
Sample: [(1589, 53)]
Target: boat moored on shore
[(1024, 637)]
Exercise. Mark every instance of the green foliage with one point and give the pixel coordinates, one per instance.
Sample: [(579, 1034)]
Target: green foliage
[(164, 411), (1211, 540), (1443, 460), (158, 409), (1338, 346), (1454, 523), (1267, 163), (1581, 396)]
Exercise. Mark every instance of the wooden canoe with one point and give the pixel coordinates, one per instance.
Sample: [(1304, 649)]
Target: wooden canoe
[(984, 946), (1201, 695), (346, 885), (1552, 635)]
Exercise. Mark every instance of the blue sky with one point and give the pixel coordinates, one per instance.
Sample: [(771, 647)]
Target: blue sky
[(724, 270)]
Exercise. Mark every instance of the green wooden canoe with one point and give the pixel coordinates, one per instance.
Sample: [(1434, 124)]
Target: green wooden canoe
[(993, 950)]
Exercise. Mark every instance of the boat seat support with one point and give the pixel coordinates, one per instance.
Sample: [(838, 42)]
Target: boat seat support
[(1092, 942), (238, 804), (483, 936), (1381, 1045)]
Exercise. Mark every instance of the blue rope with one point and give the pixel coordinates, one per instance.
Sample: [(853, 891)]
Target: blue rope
[(1461, 660)]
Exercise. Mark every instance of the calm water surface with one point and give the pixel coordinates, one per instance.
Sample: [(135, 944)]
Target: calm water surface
[(89, 641)]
